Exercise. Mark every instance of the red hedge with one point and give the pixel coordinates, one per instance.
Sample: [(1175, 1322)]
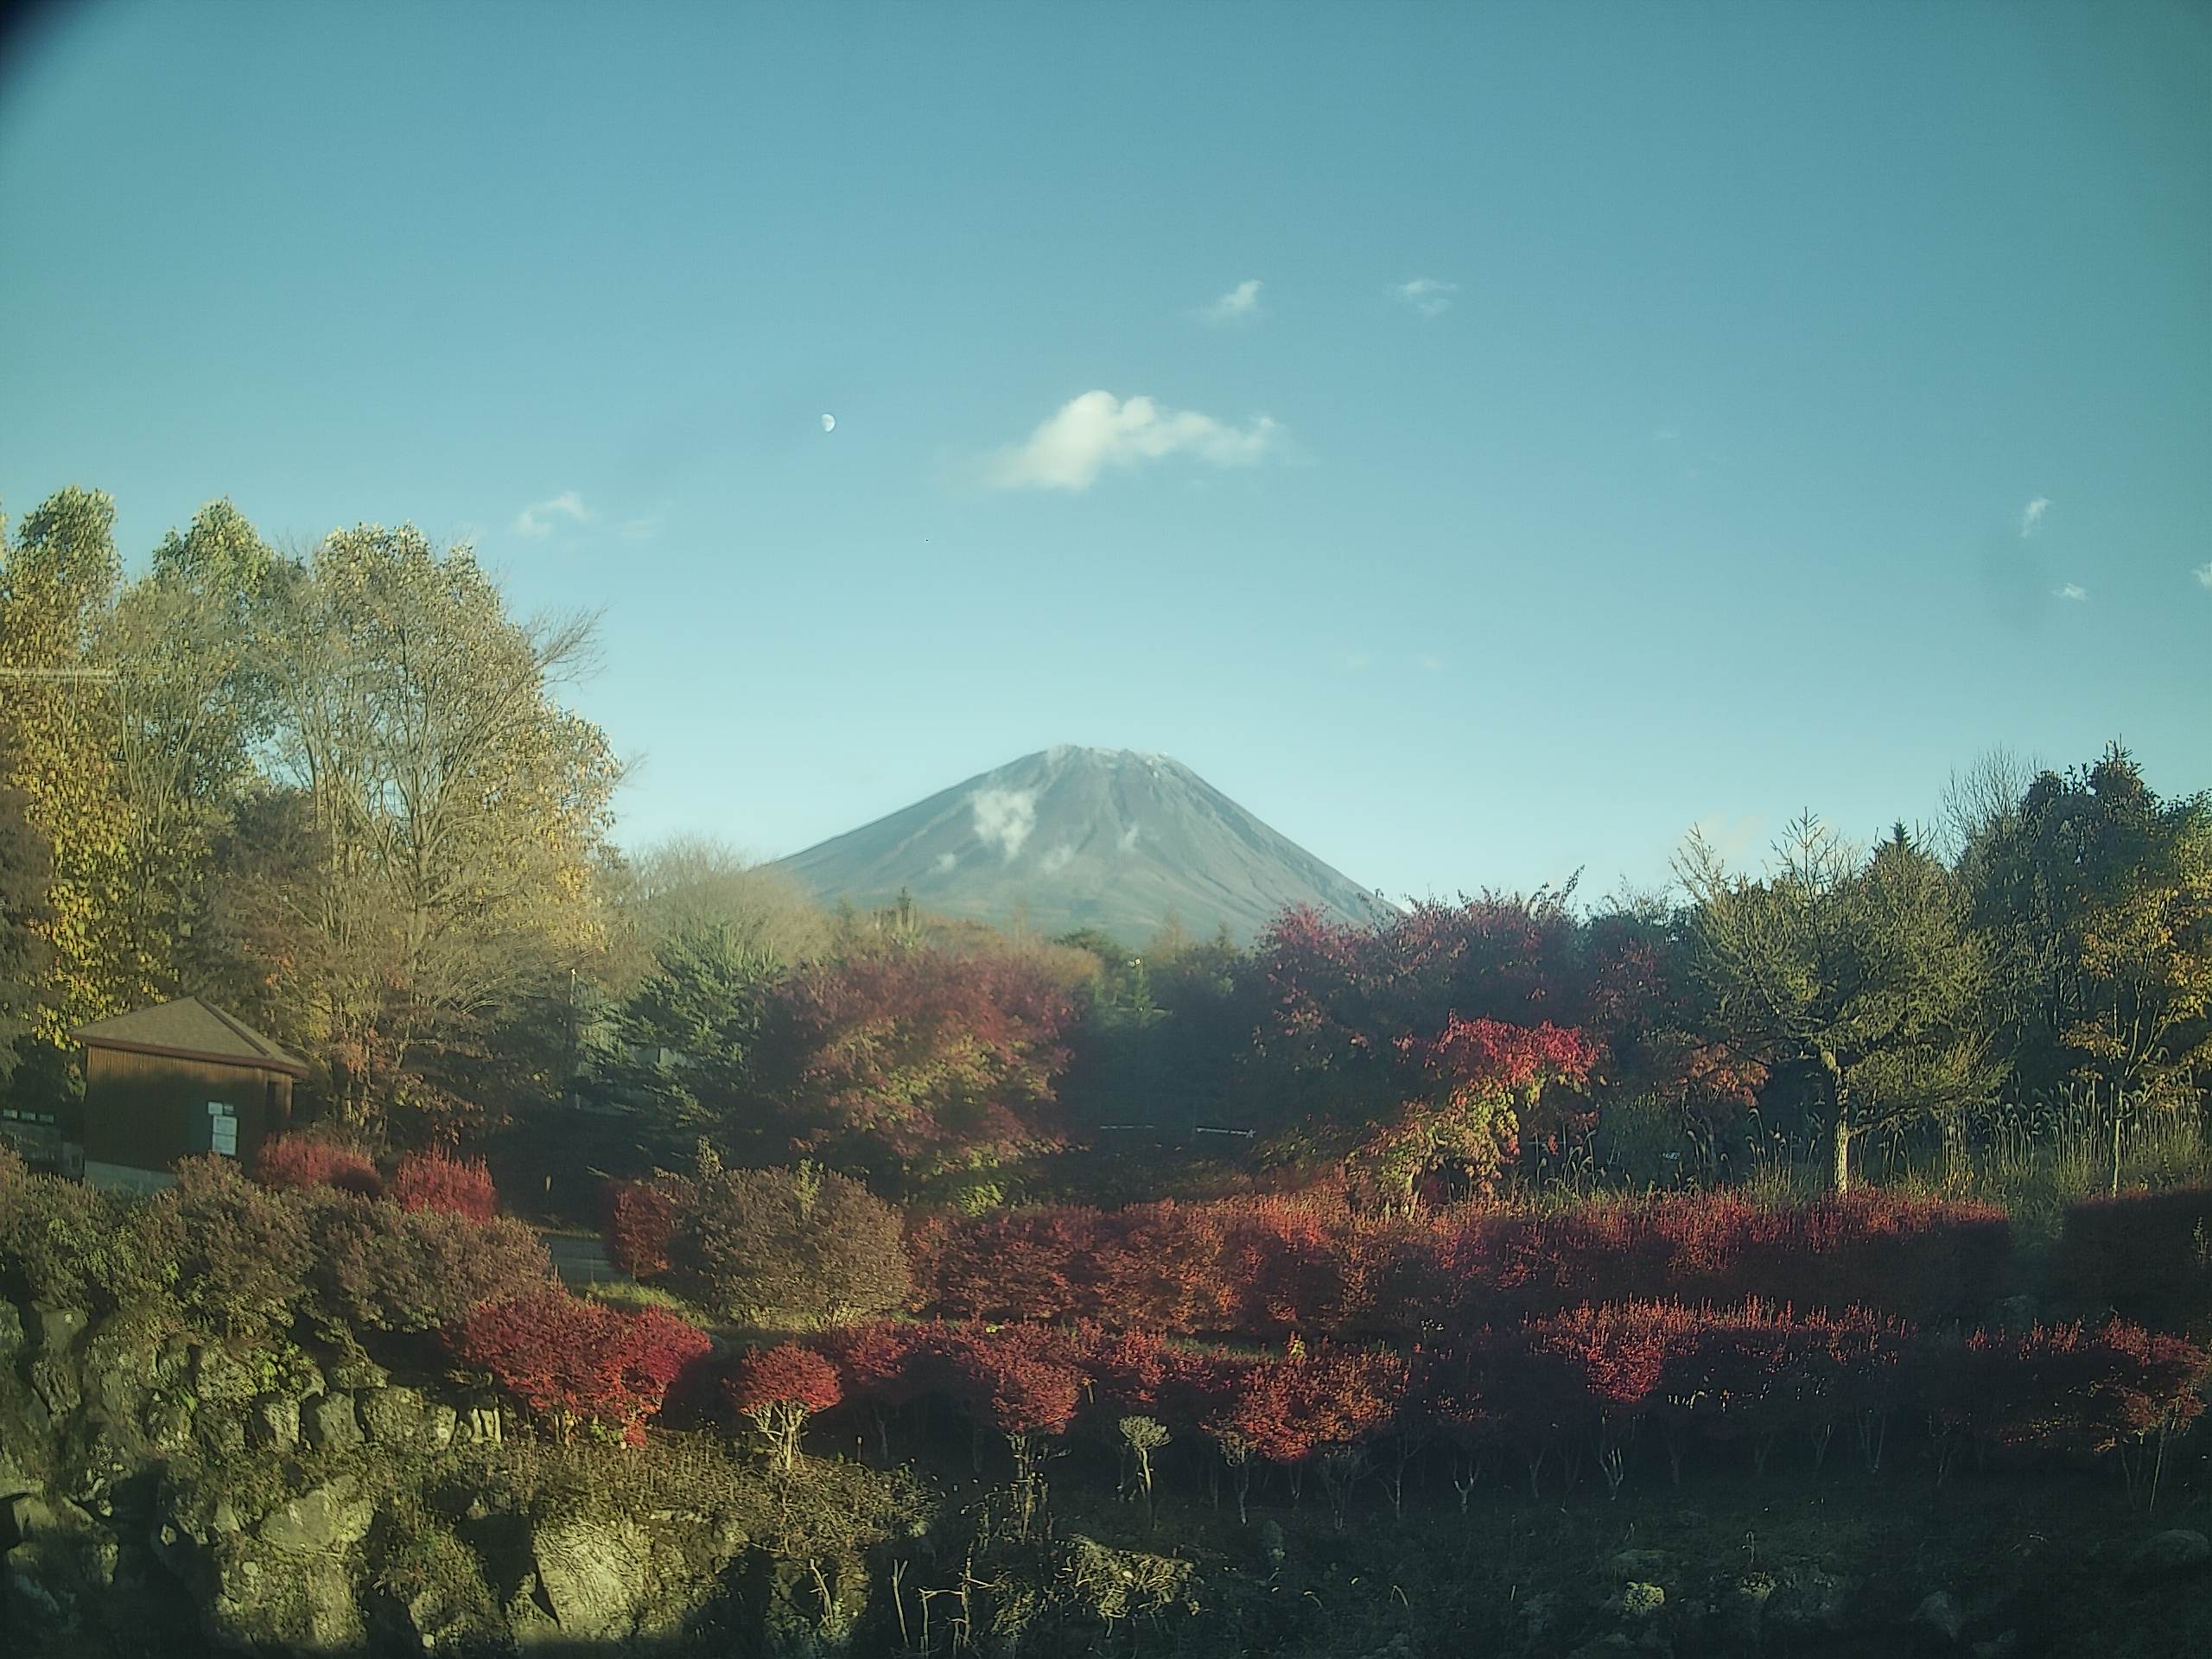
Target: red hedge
[(438, 1180), (577, 1362), (1581, 1377), (1265, 1267), (302, 1160)]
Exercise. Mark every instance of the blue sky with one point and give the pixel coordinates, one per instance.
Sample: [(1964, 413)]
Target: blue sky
[(1630, 418)]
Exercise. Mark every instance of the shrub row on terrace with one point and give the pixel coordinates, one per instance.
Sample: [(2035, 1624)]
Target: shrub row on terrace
[(244, 1260), (2147, 1255), (1265, 1267), (1578, 1382)]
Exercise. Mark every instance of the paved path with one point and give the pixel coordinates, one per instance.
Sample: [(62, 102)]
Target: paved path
[(580, 1261)]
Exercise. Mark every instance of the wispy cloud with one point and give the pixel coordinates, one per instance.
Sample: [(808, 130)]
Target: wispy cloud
[(2032, 515), (537, 519), (639, 530), (1127, 841), (945, 862), (1098, 430), (1240, 304), (1430, 664), (1056, 861), (2204, 573), (2071, 590), (1355, 661), (1730, 835), (1430, 295)]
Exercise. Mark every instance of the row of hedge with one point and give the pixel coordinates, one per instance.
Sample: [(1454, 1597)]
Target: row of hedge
[(245, 1260), (1583, 1380), (1263, 1267), (2146, 1254)]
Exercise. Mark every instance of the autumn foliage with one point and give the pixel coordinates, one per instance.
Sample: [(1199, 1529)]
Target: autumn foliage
[(1566, 1386), (913, 1063), (1262, 1267), (302, 1160), (577, 1363), (436, 1180)]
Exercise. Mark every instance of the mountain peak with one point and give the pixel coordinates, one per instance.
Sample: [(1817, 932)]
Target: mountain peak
[(1072, 836)]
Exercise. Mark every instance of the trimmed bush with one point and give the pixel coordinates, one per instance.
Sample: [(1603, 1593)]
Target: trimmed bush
[(437, 1180), (805, 1243), (1261, 1268), (580, 1365), (64, 1242), (244, 1252), (778, 1389), (296, 1159), (379, 1267)]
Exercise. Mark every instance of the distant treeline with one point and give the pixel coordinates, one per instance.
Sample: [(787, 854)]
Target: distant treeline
[(336, 791)]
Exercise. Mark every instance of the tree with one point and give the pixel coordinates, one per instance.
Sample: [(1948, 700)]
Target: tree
[(778, 1389), (1866, 974), (688, 1042), (191, 706), (437, 893), (694, 885), (2097, 897), (26, 866), (58, 582), (918, 1067)]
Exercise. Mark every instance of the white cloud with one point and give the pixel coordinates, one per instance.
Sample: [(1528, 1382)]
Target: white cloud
[(1127, 841), (1240, 304), (1056, 861), (1004, 817), (2204, 573), (1098, 430), (1430, 295), (639, 530), (945, 862), (1356, 660), (2071, 590), (2032, 515), (537, 519), (1431, 664)]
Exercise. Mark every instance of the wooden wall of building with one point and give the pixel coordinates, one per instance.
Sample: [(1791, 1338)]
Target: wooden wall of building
[(148, 1111)]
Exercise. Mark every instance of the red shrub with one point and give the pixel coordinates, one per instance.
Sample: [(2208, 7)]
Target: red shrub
[(2066, 1388), (574, 1361), (1269, 1266), (778, 1389), (638, 1223), (438, 1180), (785, 1375), (298, 1160)]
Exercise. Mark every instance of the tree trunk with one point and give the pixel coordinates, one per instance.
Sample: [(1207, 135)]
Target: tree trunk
[(1842, 1154)]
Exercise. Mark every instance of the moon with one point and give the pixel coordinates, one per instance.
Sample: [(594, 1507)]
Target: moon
[(829, 423)]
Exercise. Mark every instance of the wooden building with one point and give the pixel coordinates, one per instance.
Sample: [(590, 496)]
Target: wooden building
[(170, 1082)]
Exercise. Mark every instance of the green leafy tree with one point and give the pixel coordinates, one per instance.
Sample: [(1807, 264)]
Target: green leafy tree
[(2097, 897), (1868, 974), (59, 577), (26, 865), (687, 1043)]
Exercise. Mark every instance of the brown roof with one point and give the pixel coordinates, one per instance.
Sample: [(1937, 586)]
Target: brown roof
[(187, 1029)]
